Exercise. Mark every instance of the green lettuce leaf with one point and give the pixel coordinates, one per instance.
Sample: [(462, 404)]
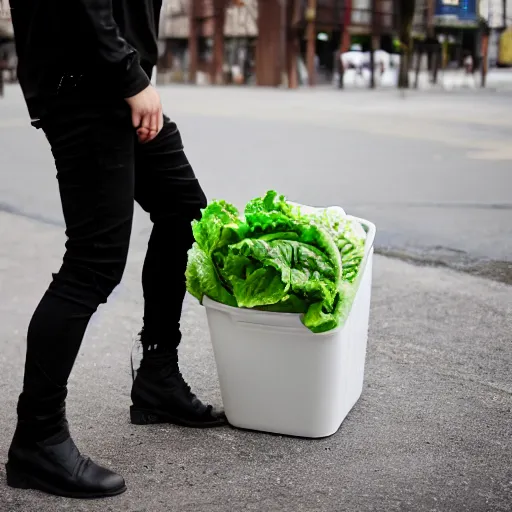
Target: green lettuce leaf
[(219, 226), (202, 278), (348, 235), (280, 275), (289, 304), (318, 321), (262, 287), (272, 214)]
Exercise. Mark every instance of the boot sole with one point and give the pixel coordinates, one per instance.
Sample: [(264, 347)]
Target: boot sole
[(19, 480), (152, 417)]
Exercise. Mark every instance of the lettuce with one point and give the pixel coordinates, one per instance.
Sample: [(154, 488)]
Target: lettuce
[(279, 257)]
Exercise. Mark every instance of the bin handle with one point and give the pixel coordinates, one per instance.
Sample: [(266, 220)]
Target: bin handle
[(274, 328)]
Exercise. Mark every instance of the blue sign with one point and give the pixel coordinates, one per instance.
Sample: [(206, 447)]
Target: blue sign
[(464, 10)]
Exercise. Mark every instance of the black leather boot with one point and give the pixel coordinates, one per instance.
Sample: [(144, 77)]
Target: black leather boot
[(161, 395), (55, 466)]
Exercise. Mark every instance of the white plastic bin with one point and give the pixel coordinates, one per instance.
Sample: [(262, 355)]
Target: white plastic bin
[(277, 376)]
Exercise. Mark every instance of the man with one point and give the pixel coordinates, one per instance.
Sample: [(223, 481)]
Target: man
[(84, 68)]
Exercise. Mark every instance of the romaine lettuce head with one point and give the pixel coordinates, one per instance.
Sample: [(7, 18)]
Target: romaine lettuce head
[(280, 257)]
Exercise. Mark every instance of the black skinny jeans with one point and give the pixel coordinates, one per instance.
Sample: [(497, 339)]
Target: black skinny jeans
[(101, 170)]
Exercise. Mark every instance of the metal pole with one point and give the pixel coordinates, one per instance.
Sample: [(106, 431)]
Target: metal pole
[(311, 41), (192, 43), (375, 28), (2, 68), (292, 41), (219, 15), (422, 48), (283, 63), (485, 56), (345, 36), (433, 52), (430, 17)]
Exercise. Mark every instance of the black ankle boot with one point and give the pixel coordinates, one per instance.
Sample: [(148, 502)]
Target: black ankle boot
[(161, 395), (55, 466)]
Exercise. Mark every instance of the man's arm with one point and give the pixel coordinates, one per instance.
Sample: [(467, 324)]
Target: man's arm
[(113, 49)]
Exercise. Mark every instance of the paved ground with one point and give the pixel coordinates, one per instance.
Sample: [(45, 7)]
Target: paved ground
[(433, 429), (431, 432)]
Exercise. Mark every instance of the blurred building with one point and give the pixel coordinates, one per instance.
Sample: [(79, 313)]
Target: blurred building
[(5, 15), (8, 59), (496, 13), (475, 27), (421, 17), (263, 38), (359, 16), (6, 31), (240, 32), (457, 25), (266, 31), (498, 16)]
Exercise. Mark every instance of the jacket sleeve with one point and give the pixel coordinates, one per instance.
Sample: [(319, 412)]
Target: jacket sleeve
[(120, 59)]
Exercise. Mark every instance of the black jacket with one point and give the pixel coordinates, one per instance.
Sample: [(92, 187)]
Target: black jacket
[(104, 46)]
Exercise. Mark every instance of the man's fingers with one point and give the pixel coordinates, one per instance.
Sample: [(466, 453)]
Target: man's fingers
[(146, 121), (154, 124), (136, 119), (160, 121), (147, 118), (151, 131), (143, 134)]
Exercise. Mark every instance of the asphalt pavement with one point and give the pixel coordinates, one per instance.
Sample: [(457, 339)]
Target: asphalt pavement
[(433, 169), (433, 428)]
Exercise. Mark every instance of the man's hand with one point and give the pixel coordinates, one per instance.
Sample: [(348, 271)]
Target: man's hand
[(147, 116)]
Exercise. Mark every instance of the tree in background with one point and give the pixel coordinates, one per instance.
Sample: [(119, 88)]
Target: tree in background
[(406, 9)]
